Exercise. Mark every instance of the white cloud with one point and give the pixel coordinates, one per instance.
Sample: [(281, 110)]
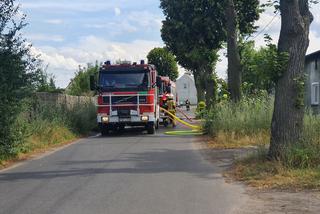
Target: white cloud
[(54, 21), (130, 23), (145, 19), (118, 28), (117, 11), (64, 61), (45, 37)]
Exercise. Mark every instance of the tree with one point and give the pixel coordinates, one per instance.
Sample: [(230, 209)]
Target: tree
[(17, 72), (80, 84), (165, 62), (287, 121), (46, 82), (190, 32), (239, 17), (260, 67), (200, 26)]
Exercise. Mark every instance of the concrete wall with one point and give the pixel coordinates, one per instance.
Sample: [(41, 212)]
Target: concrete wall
[(186, 89), (63, 99)]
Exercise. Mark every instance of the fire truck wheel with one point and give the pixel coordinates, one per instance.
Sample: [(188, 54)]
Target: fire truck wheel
[(151, 128)]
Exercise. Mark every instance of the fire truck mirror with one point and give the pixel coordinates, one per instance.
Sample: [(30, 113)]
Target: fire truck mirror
[(93, 85)]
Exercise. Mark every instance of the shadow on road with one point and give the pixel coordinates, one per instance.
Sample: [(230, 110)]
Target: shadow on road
[(152, 162)]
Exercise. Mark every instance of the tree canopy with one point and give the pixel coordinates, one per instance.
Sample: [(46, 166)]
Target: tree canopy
[(195, 30), (165, 62), (80, 84)]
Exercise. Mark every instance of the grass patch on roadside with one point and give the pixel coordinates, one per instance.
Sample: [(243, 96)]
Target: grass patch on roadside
[(225, 140), (235, 125), (247, 123), (257, 171), (45, 126)]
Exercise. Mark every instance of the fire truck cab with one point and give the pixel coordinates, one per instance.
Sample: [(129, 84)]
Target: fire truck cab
[(127, 96)]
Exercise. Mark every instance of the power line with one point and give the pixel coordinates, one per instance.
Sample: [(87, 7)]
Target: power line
[(265, 27)]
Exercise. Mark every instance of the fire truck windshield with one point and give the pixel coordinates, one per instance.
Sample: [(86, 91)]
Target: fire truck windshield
[(132, 80)]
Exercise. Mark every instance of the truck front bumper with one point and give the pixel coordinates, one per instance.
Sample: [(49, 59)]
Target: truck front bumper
[(127, 121)]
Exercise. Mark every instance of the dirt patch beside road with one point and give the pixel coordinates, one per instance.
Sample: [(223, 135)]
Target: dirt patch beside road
[(276, 202), (262, 201)]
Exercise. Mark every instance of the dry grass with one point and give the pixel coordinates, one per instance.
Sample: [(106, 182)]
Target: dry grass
[(258, 172), (42, 141), (225, 140)]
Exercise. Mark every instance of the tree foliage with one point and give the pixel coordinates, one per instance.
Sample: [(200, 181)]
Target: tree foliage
[(165, 62), (80, 84), (262, 67), (195, 30), (17, 75), (46, 82)]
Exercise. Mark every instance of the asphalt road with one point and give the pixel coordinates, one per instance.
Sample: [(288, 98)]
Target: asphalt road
[(133, 173)]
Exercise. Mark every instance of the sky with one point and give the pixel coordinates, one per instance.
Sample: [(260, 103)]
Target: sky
[(68, 34)]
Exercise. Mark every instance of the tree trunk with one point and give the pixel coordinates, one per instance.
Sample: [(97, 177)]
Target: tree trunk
[(199, 86), (234, 65), (287, 121), (210, 87)]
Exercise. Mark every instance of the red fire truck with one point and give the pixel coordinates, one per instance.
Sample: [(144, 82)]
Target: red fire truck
[(167, 88), (127, 96)]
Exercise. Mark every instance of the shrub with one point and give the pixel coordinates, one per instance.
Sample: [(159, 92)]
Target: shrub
[(201, 109)]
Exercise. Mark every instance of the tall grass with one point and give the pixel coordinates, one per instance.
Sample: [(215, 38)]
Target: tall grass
[(249, 116), (248, 123), (43, 125)]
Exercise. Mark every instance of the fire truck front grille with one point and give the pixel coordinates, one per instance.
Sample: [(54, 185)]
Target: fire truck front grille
[(116, 100), (124, 113)]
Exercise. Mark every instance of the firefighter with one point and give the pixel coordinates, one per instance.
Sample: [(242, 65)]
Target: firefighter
[(163, 101), (163, 104), (187, 105), (172, 109)]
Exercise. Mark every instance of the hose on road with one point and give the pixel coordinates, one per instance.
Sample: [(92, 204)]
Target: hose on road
[(196, 130)]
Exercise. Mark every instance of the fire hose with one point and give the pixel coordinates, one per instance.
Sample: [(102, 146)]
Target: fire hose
[(195, 130)]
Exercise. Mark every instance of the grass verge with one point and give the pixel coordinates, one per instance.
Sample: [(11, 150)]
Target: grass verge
[(43, 127), (225, 140), (247, 124), (255, 170)]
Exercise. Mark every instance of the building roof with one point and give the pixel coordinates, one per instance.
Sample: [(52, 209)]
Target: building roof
[(186, 75), (313, 55)]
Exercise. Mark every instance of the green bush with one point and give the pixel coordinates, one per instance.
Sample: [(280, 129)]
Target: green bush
[(17, 72), (201, 109)]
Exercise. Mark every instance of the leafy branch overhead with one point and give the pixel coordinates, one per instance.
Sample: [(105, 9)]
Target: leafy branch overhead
[(165, 62)]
